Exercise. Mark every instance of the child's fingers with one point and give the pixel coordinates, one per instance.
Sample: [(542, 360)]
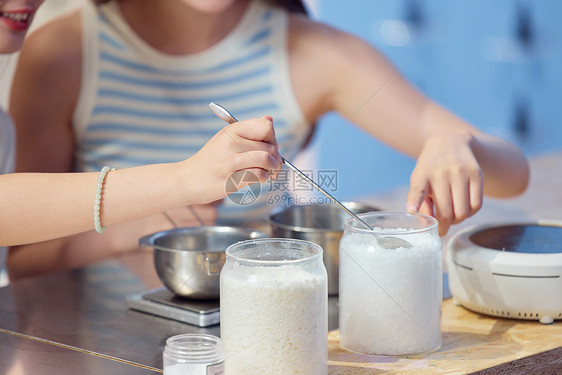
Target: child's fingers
[(476, 189), (443, 201), (271, 149), (460, 199), (417, 194), (467, 197), (256, 160), (256, 130), (427, 207)]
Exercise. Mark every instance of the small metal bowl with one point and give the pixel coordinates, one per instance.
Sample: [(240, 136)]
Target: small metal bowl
[(189, 260), (319, 223)]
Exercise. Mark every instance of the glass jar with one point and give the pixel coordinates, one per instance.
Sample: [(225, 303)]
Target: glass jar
[(193, 354), (274, 312), (390, 299)]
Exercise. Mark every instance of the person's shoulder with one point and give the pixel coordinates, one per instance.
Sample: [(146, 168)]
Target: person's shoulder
[(57, 42), (323, 40), (51, 59), (306, 30)]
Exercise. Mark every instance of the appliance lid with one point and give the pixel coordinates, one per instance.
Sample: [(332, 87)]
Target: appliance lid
[(520, 238)]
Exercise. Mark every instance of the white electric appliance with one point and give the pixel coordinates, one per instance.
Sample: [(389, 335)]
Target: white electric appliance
[(509, 270)]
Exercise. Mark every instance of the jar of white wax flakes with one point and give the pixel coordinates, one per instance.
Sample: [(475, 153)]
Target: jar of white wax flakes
[(390, 298), (273, 301)]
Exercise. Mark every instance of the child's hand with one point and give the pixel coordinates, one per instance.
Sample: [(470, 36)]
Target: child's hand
[(243, 146), (447, 181)]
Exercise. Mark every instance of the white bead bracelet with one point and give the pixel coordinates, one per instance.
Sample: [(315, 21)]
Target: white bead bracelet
[(97, 202)]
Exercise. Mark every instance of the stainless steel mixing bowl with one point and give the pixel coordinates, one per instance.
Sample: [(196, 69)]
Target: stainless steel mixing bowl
[(189, 260), (321, 224)]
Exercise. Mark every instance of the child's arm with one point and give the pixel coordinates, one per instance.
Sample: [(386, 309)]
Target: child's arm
[(456, 167), (457, 163), (41, 206)]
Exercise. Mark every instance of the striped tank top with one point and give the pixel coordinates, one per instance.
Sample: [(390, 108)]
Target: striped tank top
[(140, 106)]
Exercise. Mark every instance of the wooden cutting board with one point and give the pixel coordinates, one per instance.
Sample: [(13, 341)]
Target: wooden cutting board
[(471, 342)]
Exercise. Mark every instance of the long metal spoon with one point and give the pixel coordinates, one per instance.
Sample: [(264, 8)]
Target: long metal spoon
[(386, 242)]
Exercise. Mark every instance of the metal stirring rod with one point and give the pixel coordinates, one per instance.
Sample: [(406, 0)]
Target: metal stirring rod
[(388, 242), (226, 116)]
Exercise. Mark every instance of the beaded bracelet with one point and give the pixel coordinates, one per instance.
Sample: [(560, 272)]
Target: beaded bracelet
[(97, 202)]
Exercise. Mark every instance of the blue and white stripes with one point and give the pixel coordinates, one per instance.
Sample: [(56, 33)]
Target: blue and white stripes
[(151, 107)]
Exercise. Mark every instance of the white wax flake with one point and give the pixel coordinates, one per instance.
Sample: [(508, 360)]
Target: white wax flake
[(390, 299), (274, 323)]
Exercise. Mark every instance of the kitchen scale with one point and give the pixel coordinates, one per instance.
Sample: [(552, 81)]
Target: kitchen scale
[(162, 302), (510, 270)]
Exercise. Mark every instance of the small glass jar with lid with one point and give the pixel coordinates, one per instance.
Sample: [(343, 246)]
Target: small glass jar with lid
[(193, 354), (274, 309), (390, 297)]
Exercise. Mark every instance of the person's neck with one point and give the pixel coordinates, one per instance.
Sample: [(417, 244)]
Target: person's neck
[(174, 28)]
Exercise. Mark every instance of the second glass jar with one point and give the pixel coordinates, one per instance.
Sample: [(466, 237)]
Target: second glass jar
[(273, 300), (390, 298)]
